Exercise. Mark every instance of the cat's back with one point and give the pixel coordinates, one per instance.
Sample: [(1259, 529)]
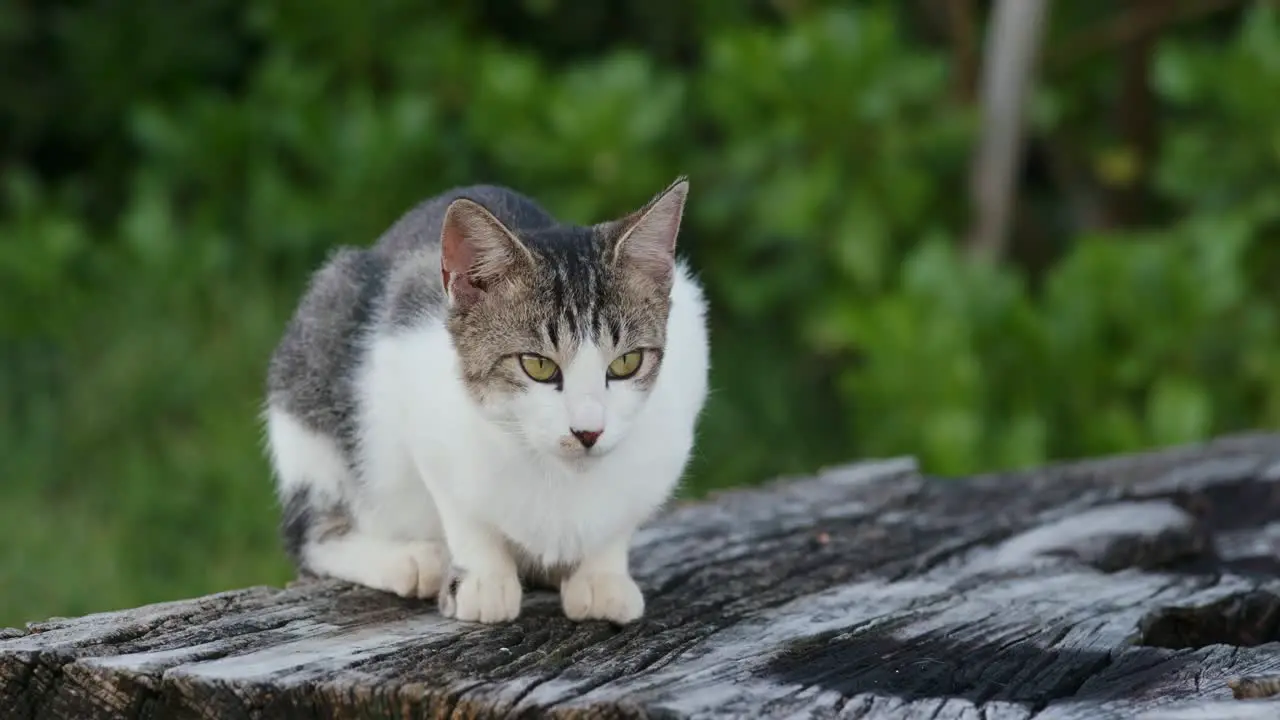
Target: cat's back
[(419, 227), (310, 370)]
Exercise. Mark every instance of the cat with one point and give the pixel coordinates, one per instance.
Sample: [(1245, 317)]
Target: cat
[(487, 396)]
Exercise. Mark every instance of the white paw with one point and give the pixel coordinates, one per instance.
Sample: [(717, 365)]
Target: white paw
[(481, 597), (602, 596), (417, 570)]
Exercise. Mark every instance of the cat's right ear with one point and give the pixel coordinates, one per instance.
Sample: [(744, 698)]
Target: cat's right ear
[(476, 249)]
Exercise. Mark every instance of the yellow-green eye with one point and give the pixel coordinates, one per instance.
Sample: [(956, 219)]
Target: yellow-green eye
[(626, 365), (539, 368)]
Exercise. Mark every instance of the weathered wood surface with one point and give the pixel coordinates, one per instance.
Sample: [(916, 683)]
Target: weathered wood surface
[(1132, 587)]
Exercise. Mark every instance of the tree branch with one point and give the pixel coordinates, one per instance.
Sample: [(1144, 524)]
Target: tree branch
[(1012, 50)]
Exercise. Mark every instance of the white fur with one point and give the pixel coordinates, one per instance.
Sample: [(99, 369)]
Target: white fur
[(301, 455), (436, 467)]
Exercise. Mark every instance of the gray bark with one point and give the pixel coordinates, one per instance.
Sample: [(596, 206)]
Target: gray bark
[(1141, 586)]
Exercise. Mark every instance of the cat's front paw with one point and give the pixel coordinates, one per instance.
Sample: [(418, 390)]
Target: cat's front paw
[(490, 597), (602, 596)]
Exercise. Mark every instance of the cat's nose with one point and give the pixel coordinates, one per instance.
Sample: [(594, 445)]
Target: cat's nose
[(587, 437)]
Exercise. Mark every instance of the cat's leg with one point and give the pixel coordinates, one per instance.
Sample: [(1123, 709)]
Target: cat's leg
[(323, 529), (483, 583), (601, 588)]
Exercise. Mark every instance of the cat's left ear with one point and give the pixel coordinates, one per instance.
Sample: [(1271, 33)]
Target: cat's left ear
[(647, 243), (476, 250)]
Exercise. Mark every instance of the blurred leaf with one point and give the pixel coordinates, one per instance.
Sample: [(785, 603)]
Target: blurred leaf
[(1178, 411)]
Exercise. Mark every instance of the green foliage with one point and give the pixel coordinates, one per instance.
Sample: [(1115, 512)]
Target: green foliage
[(162, 206)]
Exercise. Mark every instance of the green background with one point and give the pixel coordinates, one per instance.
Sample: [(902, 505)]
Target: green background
[(170, 173)]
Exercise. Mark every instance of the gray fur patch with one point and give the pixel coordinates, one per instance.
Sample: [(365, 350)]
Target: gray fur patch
[(305, 521), (312, 369), (415, 295), (534, 574)]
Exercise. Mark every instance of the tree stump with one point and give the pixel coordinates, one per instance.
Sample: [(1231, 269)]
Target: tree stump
[(1141, 586)]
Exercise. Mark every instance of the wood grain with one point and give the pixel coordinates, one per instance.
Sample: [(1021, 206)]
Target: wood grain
[(1125, 587)]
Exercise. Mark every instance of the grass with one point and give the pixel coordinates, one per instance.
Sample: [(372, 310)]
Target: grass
[(138, 475)]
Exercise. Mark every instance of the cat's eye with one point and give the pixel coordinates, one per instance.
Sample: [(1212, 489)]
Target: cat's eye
[(539, 368), (625, 365)]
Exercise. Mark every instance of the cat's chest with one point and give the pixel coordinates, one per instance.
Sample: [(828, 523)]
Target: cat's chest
[(556, 516)]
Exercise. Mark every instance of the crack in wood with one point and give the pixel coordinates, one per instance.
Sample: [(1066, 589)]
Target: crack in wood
[(1245, 619)]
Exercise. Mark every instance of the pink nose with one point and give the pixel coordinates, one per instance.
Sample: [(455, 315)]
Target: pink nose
[(586, 437)]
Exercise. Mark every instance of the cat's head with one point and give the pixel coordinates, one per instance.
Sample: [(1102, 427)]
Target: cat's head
[(560, 331)]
